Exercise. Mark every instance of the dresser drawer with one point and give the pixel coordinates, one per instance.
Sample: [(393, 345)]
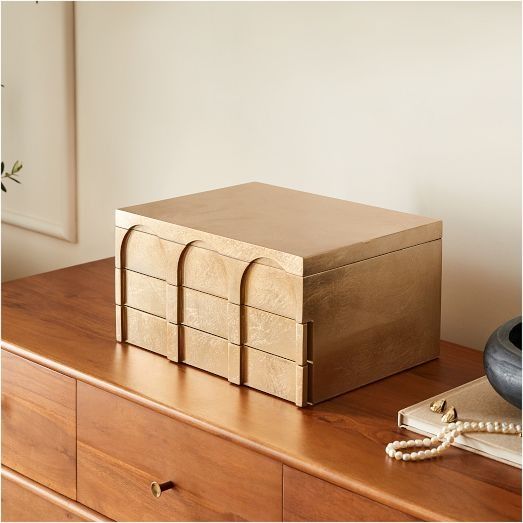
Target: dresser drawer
[(123, 447), (26, 500), (39, 423), (307, 498)]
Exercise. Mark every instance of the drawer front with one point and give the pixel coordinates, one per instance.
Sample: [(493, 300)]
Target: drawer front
[(145, 330), (25, 500), (123, 447), (204, 351), (307, 498), (274, 334), (259, 329), (39, 423), (274, 375), (204, 312), (142, 292)]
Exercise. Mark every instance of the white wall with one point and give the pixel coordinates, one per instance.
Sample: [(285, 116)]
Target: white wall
[(411, 106)]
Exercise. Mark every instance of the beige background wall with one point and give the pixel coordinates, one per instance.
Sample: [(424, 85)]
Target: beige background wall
[(412, 106)]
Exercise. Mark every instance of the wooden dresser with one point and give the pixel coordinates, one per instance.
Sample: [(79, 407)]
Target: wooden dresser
[(88, 424)]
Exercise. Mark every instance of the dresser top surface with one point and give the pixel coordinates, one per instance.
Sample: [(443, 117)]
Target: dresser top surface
[(285, 220), (64, 321)]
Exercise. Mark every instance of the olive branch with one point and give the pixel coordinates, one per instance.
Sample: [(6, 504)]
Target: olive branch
[(12, 174)]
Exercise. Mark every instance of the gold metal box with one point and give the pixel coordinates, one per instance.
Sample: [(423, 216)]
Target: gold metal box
[(297, 295)]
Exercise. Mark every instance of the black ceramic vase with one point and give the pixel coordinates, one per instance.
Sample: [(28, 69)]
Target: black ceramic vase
[(502, 361)]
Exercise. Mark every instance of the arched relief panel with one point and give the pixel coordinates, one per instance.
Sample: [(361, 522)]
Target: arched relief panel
[(267, 286), (140, 282), (202, 268), (270, 311), (140, 276), (202, 308), (142, 251)]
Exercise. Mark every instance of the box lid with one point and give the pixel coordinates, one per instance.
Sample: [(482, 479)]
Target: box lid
[(322, 233)]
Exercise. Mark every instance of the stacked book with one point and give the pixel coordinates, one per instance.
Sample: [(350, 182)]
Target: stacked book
[(474, 401)]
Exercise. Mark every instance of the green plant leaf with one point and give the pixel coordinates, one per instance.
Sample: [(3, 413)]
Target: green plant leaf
[(16, 167), (2, 167), (3, 188), (15, 180)]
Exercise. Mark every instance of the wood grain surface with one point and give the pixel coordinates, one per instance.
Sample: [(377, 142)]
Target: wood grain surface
[(269, 332), (203, 269), (26, 500), (123, 447), (141, 292), (204, 312), (306, 498), (141, 252), (373, 318), (145, 330), (273, 290), (204, 351), (340, 441), (305, 233), (39, 423), (269, 373)]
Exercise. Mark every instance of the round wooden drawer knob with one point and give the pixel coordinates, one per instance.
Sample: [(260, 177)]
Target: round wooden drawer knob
[(158, 488)]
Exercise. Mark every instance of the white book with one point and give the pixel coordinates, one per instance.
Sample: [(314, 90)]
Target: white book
[(474, 401)]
